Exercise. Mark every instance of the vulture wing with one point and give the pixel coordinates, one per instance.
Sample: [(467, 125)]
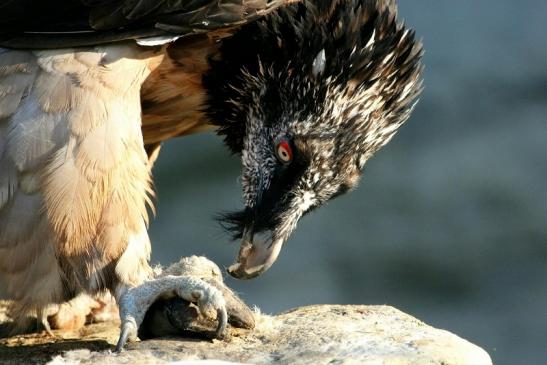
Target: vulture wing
[(70, 23)]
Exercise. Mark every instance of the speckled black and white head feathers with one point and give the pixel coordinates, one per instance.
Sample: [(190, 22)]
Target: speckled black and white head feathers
[(366, 52), (336, 78)]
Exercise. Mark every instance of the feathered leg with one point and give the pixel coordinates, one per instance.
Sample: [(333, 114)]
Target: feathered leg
[(74, 181)]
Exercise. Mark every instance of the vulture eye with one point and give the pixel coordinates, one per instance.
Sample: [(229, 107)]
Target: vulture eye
[(283, 151)]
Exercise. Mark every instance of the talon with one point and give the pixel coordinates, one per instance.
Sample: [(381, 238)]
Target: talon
[(222, 317), (127, 331), (121, 341)]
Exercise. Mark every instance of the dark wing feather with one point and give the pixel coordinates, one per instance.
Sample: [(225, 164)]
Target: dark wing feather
[(69, 23)]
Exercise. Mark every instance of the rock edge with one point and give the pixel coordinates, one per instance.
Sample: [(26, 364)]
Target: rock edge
[(318, 334)]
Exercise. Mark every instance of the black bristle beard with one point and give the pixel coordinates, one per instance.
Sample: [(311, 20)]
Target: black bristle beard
[(233, 223), (265, 215)]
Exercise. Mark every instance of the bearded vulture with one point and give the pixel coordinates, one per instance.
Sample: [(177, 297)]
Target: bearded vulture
[(304, 91)]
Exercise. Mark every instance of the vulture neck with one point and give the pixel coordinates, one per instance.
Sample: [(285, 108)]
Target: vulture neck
[(173, 97)]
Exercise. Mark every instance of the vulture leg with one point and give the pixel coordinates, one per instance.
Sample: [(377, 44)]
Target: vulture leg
[(74, 182), (74, 174)]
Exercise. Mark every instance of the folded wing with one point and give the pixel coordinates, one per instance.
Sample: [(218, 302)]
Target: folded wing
[(69, 23)]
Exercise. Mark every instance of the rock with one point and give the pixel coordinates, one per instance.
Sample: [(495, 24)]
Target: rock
[(319, 334)]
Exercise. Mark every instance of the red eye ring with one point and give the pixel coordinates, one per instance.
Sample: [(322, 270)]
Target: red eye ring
[(283, 151)]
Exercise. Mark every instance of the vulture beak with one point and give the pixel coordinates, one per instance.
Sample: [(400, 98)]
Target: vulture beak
[(256, 255), (269, 225)]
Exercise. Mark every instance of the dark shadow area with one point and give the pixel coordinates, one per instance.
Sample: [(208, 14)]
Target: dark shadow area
[(42, 353)]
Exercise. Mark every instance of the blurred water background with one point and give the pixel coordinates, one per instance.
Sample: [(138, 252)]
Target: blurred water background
[(450, 220)]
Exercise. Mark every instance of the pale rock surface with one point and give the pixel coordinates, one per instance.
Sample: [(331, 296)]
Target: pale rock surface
[(319, 334)]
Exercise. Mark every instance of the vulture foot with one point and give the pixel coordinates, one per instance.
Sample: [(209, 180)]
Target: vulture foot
[(81, 310), (136, 301), (183, 299)]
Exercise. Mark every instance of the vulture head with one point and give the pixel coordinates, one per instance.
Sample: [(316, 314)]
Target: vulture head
[(306, 96)]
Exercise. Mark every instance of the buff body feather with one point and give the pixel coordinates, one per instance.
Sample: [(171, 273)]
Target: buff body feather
[(74, 174)]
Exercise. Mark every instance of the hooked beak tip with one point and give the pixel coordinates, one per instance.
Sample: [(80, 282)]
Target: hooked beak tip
[(238, 271), (255, 257)]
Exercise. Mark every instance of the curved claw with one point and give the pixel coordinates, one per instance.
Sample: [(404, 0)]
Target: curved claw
[(124, 335), (222, 317)]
